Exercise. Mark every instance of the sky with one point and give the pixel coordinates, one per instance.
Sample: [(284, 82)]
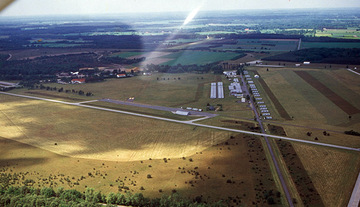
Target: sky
[(87, 7)]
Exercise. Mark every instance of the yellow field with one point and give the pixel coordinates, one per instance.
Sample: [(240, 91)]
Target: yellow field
[(333, 172), (88, 133), (215, 166)]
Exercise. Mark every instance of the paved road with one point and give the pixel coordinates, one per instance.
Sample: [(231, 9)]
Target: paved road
[(355, 196), (161, 108), (276, 164), (353, 71), (185, 122), (7, 83), (10, 56)]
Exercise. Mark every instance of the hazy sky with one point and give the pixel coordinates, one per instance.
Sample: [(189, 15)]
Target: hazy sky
[(55, 7)]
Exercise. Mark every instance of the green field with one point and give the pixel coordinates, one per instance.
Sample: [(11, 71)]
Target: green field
[(339, 33), (126, 54), (330, 45), (198, 57), (268, 45), (340, 88)]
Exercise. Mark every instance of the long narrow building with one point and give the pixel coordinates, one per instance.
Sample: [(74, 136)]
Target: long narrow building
[(220, 90), (213, 90)]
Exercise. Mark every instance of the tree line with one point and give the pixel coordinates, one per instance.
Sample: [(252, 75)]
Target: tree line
[(320, 55), (48, 88), (179, 68), (28, 196)]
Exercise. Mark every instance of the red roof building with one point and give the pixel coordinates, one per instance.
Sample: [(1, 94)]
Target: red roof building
[(121, 75), (80, 80)]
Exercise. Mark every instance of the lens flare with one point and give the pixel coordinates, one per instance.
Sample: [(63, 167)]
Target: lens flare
[(191, 15)]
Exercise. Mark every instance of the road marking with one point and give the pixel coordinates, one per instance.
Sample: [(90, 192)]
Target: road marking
[(188, 123)]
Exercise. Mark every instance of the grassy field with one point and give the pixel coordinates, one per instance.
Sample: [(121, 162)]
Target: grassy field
[(145, 89), (198, 57), (294, 94), (192, 90), (349, 33), (330, 45), (86, 133), (339, 87), (59, 45), (225, 166), (333, 172), (267, 45), (140, 110), (126, 54), (32, 53), (311, 111), (57, 145)]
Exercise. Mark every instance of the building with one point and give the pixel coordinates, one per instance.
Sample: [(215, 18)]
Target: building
[(230, 73), (182, 113), (122, 75), (78, 80)]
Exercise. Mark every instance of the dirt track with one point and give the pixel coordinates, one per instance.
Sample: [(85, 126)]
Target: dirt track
[(328, 93)]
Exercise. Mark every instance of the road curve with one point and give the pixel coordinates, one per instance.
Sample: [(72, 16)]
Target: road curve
[(10, 56), (186, 122)]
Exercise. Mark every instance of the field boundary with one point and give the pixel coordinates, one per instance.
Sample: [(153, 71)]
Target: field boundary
[(283, 113), (328, 93)]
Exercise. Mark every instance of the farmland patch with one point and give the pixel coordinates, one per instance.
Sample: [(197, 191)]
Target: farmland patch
[(336, 99), (199, 57), (303, 183), (333, 172)]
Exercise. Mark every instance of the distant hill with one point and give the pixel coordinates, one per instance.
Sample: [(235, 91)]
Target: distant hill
[(320, 55)]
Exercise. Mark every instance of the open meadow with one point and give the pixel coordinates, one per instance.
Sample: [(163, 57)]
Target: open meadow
[(53, 145), (162, 89), (78, 132)]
